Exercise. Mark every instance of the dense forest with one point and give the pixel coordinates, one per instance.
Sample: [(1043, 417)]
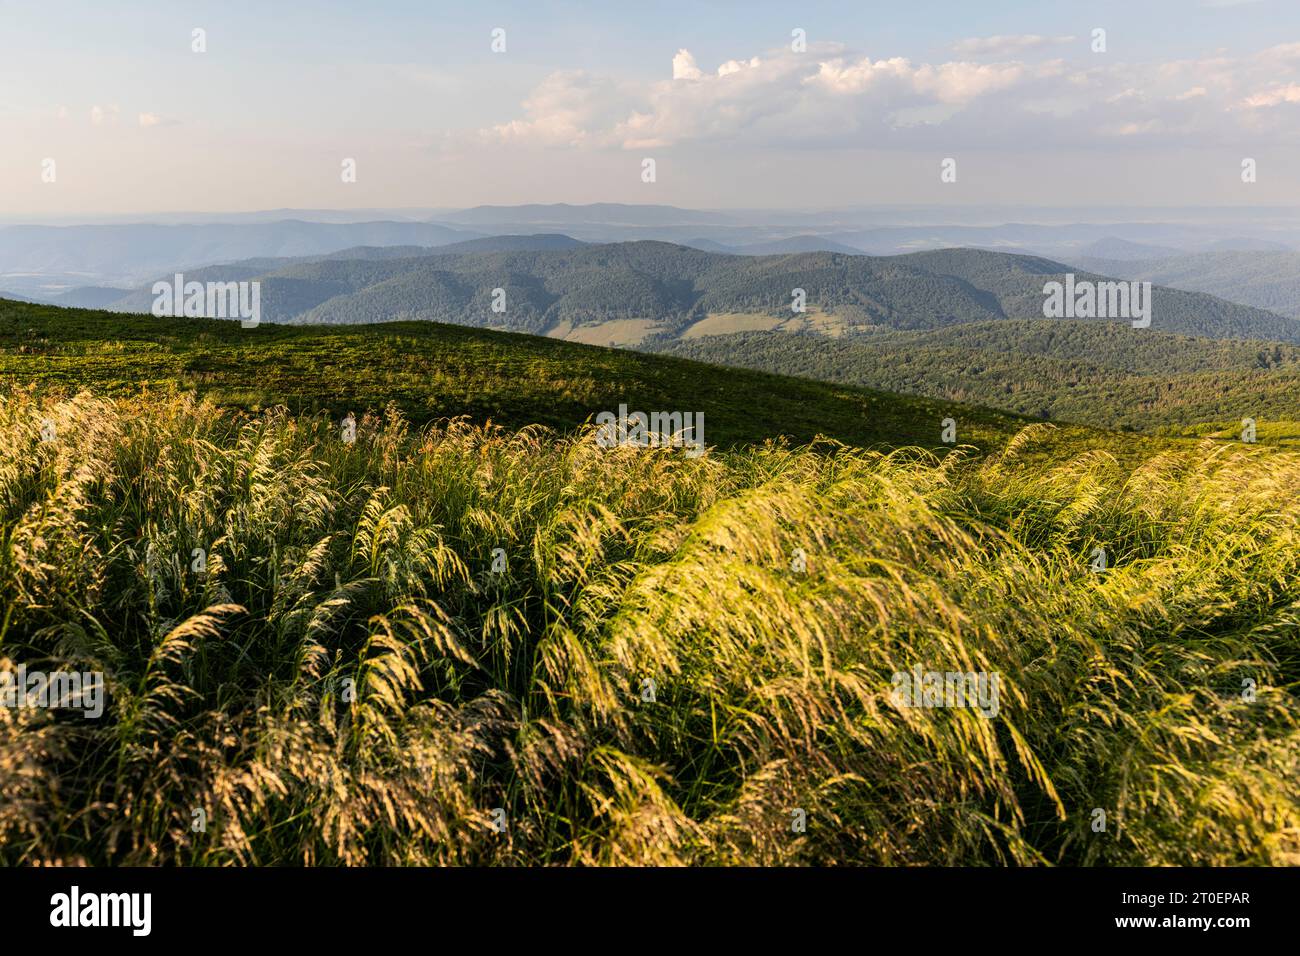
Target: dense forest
[(1099, 373)]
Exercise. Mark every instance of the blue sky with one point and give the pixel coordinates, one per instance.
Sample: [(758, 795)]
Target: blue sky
[(136, 121)]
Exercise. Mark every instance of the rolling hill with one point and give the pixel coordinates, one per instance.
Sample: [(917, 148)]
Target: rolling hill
[(432, 371), (1103, 374), (555, 285), (1263, 278), (1112, 247)]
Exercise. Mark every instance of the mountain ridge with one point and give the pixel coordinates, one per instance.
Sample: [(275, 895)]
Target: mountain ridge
[(554, 282)]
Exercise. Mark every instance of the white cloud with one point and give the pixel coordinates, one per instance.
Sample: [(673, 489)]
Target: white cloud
[(833, 97), (684, 67), (735, 66), (1274, 97), (568, 108), (150, 119)]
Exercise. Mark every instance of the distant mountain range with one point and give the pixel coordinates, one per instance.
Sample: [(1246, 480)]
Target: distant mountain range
[(1111, 248), (600, 213), (776, 246), (1265, 279), (38, 261), (142, 250), (554, 284)]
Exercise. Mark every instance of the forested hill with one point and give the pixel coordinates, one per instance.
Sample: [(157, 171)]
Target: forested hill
[(554, 283), (1104, 374)]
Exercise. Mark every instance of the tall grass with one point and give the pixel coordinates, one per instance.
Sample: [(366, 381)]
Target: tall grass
[(650, 680)]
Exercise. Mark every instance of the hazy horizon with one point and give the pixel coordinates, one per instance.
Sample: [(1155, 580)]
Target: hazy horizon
[(903, 213)]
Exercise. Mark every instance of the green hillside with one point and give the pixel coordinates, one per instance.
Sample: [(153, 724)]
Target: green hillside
[(1104, 374), (431, 371), (1263, 278)]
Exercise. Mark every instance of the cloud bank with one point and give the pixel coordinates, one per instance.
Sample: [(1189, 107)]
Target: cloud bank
[(827, 97)]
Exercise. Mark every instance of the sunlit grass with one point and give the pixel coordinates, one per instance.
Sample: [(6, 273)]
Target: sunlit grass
[(349, 681)]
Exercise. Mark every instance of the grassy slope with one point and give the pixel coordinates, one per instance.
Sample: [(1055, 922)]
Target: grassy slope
[(432, 371)]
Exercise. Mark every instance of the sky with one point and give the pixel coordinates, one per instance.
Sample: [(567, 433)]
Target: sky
[(112, 109)]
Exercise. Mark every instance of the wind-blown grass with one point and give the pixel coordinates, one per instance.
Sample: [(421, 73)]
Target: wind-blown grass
[(350, 682)]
